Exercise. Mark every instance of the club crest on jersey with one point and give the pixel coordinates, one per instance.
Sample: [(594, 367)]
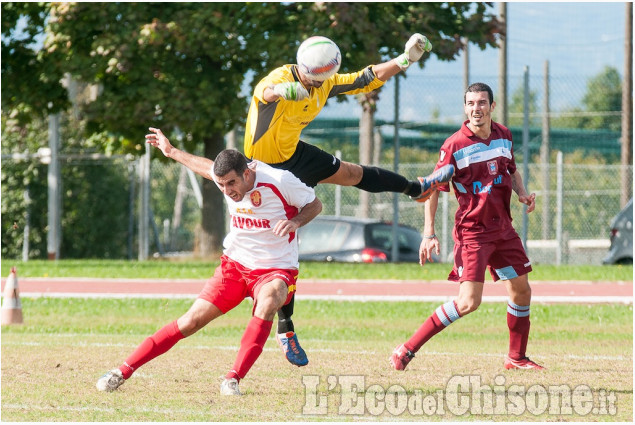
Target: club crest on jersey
[(256, 198), (492, 166)]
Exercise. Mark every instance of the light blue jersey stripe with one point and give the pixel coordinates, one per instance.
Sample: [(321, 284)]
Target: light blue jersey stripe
[(460, 187), (481, 152)]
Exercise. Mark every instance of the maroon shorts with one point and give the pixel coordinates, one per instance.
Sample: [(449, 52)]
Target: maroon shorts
[(506, 260), (233, 282)]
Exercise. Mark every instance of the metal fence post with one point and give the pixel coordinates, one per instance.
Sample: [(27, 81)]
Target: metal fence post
[(54, 190), (27, 224), (395, 196), (525, 153), (132, 170), (144, 204), (559, 206)]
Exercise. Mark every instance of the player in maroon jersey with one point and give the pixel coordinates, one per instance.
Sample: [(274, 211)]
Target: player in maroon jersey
[(485, 176)]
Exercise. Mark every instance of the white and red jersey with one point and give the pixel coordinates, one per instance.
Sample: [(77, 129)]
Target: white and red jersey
[(277, 195), (482, 183)]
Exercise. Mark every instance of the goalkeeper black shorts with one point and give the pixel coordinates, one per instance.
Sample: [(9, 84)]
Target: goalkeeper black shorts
[(310, 164)]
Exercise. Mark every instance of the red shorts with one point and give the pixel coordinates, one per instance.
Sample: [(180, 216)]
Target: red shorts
[(233, 282), (506, 260)]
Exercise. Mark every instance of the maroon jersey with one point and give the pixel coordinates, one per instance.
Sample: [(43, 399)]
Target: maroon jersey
[(482, 183)]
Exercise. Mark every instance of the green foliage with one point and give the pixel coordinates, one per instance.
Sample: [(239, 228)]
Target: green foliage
[(181, 66), (18, 179), (354, 27), (30, 78), (203, 269), (173, 65), (604, 94), (94, 197), (177, 66), (517, 108)]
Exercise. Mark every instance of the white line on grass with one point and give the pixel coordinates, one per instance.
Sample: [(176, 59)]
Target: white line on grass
[(316, 350)]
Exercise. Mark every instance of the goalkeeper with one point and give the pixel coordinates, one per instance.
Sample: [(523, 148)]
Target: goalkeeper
[(284, 103)]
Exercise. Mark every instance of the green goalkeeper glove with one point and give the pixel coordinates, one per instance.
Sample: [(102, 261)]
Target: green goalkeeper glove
[(291, 91), (415, 47)]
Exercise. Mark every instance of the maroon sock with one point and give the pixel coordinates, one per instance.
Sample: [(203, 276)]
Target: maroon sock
[(151, 347), (442, 317), (251, 346), (518, 324)]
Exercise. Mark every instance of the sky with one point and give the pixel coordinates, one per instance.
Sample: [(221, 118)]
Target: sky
[(576, 37), (579, 39)]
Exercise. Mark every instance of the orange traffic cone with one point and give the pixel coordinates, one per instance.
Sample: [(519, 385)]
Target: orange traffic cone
[(11, 305)]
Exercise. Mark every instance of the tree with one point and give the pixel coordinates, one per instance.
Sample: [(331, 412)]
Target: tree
[(31, 86), (604, 96), (375, 32), (178, 66), (182, 66), (601, 105), (90, 190)]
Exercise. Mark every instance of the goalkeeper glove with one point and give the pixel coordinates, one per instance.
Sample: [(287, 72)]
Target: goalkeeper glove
[(416, 45), (291, 91)]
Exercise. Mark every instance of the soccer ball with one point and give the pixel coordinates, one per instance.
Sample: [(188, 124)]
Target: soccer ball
[(319, 58)]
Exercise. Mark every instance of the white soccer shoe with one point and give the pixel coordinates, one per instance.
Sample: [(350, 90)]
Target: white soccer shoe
[(230, 387), (110, 381)]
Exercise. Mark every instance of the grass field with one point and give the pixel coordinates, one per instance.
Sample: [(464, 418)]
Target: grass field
[(51, 363), (179, 269)]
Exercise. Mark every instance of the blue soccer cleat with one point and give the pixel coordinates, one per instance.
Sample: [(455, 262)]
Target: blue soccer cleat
[(291, 349), (434, 180)]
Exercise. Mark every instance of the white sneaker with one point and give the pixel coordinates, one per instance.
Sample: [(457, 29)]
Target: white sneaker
[(230, 387), (110, 381)]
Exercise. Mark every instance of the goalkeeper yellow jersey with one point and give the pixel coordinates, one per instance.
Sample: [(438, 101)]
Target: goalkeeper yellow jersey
[(273, 129)]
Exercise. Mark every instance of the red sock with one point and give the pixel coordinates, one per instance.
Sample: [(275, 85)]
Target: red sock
[(442, 317), (251, 346), (518, 324), (153, 346)]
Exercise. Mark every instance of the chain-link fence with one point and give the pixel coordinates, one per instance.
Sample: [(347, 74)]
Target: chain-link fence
[(576, 198), (570, 225), (576, 207)]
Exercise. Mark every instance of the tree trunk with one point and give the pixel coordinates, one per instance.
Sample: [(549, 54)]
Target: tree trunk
[(212, 230)]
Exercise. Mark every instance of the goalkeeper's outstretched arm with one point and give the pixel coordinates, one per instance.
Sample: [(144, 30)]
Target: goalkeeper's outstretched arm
[(416, 46)]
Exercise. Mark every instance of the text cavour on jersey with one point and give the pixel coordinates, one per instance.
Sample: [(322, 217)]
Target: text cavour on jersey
[(276, 195)]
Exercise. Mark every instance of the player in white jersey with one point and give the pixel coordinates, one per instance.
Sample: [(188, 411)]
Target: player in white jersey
[(260, 257)]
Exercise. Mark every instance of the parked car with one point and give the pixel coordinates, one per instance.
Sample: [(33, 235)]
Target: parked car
[(356, 240), (621, 250)]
